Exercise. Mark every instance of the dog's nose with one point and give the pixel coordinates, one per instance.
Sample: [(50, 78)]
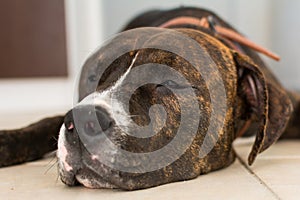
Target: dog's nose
[(104, 120), (88, 119)]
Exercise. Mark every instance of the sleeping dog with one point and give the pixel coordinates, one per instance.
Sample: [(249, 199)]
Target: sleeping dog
[(104, 143)]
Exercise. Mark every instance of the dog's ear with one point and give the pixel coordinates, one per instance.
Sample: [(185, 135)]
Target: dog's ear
[(268, 105)]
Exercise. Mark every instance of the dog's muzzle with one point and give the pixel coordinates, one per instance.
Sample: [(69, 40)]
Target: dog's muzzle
[(76, 148)]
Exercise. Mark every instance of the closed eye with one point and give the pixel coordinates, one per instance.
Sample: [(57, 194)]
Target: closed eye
[(171, 84), (92, 78), (174, 85)]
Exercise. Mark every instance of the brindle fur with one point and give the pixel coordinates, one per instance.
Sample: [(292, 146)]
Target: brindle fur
[(278, 106), (270, 114), (29, 143), (189, 165)]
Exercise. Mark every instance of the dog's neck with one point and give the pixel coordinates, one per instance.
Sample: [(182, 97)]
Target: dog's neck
[(228, 36)]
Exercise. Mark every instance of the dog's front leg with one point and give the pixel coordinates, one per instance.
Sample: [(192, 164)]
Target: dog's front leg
[(29, 143)]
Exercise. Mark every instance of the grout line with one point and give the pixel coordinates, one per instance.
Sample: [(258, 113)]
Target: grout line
[(257, 177)]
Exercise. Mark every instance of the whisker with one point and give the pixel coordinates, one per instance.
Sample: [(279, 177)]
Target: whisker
[(57, 177), (56, 139), (50, 155), (51, 166)]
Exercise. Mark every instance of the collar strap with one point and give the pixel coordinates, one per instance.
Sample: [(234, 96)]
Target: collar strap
[(224, 32)]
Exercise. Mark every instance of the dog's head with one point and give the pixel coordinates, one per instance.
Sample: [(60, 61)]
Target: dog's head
[(140, 128)]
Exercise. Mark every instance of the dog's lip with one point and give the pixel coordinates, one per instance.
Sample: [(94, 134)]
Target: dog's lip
[(73, 178), (90, 179), (68, 178), (79, 170)]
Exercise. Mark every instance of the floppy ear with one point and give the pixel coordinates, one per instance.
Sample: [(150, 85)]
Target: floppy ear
[(268, 104)]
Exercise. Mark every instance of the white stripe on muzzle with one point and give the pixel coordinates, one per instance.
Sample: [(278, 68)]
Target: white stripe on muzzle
[(113, 107)]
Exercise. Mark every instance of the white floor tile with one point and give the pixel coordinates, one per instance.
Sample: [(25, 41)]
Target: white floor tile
[(278, 167), (31, 180)]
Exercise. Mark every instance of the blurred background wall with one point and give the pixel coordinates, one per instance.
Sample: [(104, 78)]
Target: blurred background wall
[(274, 24)]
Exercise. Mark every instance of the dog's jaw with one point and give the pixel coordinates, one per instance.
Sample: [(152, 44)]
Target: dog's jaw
[(93, 183), (72, 172)]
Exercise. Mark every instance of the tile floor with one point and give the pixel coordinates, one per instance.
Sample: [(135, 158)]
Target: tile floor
[(274, 175)]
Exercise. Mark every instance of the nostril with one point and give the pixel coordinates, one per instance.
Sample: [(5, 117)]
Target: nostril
[(89, 128), (69, 122), (102, 123), (88, 119), (70, 126), (104, 120)]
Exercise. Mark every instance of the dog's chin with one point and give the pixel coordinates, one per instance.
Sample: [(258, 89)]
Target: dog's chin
[(85, 176), (92, 180), (79, 167), (86, 172)]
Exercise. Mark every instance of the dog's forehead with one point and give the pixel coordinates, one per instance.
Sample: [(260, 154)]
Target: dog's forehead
[(161, 66), (97, 73)]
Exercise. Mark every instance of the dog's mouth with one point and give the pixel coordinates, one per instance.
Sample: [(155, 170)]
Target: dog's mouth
[(79, 146), (88, 148), (78, 166), (90, 179), (86, 176)]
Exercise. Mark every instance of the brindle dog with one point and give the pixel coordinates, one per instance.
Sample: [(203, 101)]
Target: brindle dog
[(256, 103)]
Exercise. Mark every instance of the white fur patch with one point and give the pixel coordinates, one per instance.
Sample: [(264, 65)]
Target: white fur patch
[(113, 107), (122, 78), (93, 184), (62, 151)]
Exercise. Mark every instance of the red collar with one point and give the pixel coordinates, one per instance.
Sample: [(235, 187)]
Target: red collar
[(229, 35)]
